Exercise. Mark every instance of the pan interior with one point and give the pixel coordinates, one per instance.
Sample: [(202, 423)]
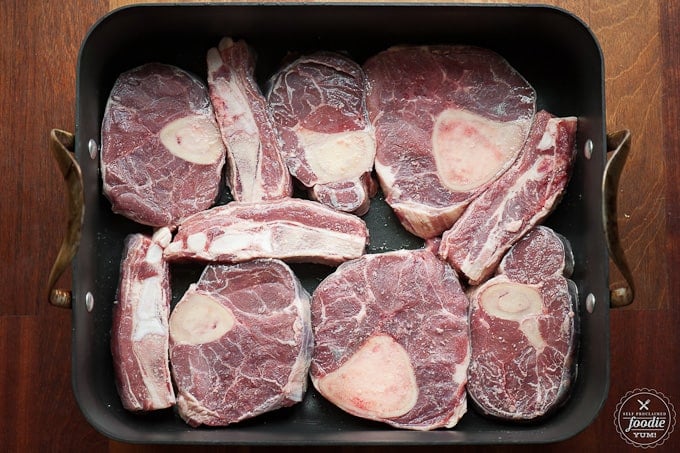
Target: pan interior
[(553, 50)]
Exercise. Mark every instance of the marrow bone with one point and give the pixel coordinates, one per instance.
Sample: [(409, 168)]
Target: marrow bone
[(469, 150), (199, 319), (377, 381), (511, 301), (194, 139)]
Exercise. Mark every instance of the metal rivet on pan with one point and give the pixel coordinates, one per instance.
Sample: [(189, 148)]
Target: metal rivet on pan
[(89, 301), (92, 148), (590, 303), (588, 149)]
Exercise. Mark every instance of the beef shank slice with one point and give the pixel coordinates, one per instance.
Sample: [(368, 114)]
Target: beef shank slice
[(161, 151), (448, 121), (240, 343), (318, 103), (139, 331), (256, 170), (523, 327), (391, 340)]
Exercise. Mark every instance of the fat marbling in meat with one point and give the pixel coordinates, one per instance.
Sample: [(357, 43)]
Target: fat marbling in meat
[(391, 340), (318, 103), (449, 120), (523, 328), (161, 151)]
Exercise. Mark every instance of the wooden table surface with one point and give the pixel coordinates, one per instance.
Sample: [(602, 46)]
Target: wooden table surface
[(39, 43)]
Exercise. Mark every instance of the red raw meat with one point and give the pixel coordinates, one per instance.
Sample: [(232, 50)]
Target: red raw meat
[(318, 103), (256, 168), (513, 204), (139, 333), (161, 155), (293, 229), (448, 120), (391, 340), (523, 330), (240, 343)]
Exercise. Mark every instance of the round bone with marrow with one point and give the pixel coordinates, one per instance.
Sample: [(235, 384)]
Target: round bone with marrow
[(391, 340), (240, 342), (523, 330), (162, 154)]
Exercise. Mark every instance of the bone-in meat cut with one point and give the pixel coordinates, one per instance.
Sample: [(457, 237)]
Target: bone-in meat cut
[(161, 151), (256, 169), (293, 230), (318, 103), (391, 340), (523, 330), (240, 343), (139, 333), (448, 121), (520, 199)]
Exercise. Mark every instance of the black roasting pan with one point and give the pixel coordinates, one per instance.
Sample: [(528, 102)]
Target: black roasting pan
[(556, 53)]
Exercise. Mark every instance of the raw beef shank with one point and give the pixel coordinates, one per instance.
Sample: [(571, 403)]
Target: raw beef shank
[(139, 333), (391, 340), (240, 343), (448, 120), (256, 168), (318, 103), (161, 151), (523, 330), (517, 201), (293, 229)]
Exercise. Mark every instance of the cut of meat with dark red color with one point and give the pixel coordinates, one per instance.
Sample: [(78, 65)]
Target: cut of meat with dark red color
[(517, 201), (240, 343), (161, 155), (139, 333), (292, 229), (448, 120), (523, 330), (318, 103), (256, 167), (391, 340)]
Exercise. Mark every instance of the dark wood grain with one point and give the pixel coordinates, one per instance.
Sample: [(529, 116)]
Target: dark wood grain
[(39, 42), (670, 24), (629, 34)]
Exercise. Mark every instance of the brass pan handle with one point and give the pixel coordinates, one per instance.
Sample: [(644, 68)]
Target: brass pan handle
[(618, 148), (62, 146)]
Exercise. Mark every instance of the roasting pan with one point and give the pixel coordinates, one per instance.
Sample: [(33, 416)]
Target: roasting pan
[(554, 50)]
